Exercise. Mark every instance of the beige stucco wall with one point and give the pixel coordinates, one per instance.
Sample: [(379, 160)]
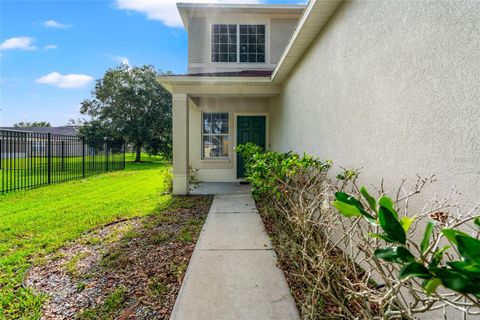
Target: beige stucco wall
[(280, 34), (199, 39), (223, 170), (197, 31), (392, 87)]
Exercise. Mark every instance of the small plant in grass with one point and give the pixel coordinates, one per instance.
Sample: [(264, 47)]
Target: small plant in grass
[(92, 240), (186, 234), (193, 176), (131, 235), (167, 178), (194, 222), (160, 237), (109, 309), (117, 258), (56, 256), (178, 269), (71, 265), (81, 286), (156, 288)]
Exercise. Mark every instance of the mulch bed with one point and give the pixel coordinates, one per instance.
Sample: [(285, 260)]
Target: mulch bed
[(298, 287), (283, 263), (132, 269)]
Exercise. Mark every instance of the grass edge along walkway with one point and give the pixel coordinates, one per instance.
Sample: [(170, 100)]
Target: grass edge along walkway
[(37, 222)]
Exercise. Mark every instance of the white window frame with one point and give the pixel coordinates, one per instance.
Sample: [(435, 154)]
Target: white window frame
[(228, 43), (264, 43), (216, 134), (238, 42)]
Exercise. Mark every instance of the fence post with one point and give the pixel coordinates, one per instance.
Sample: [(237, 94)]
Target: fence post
[(49, 158), (106, 155), (124, 151), (63, 155), (83, 157), (1, 163)]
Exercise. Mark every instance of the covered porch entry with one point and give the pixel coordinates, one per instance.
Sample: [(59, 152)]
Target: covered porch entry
[(212, 115)]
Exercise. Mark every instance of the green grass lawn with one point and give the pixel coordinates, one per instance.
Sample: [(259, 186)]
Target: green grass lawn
[(36, 222)]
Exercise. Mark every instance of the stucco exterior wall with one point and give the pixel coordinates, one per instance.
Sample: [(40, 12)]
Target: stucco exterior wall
[(282, 30), (222, 170), (392, 87), (197, 31)]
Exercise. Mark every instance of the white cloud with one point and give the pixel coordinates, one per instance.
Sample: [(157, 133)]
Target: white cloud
[(50, 47), (22, 43), (122, 60), (166, 10), (55, 24), (69, 81)]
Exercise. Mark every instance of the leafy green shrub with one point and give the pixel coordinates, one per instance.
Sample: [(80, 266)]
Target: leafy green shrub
[(269, 173), (422, 260), (193, 176), (167, 180), (338, 266)]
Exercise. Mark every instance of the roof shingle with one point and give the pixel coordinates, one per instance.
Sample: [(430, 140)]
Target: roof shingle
[(63, 130)]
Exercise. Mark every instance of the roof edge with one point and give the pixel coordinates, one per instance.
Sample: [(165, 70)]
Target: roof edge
[(183, 7), (211, 79), (168, 81), (240, 5), (315, 16)]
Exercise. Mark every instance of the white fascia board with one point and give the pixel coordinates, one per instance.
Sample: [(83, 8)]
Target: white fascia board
[(240, 6), (312, 21), (213, 80), (169, 81), (187, 9)]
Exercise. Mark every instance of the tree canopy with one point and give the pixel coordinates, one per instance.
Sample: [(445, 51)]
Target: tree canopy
[(129, 103)]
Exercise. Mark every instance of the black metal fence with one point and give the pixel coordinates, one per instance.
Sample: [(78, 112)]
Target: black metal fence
[(30, 159)]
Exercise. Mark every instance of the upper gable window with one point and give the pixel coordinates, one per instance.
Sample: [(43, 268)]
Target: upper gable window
[(224, 43), (238, 43), (252, 43)]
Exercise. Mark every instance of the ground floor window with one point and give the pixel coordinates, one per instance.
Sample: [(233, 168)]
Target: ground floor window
[(215, 135)]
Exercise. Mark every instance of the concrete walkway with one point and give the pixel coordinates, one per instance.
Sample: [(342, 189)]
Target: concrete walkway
[(232, 272)]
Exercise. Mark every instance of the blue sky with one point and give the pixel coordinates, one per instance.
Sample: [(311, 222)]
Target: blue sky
[(51, 51)]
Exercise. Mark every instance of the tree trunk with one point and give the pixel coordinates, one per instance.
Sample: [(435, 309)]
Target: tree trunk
[(138, 150)]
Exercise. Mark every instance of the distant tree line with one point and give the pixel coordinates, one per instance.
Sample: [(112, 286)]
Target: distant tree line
[(32, 124)]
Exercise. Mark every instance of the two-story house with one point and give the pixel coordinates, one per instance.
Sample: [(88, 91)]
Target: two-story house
[(388, 86), (223, 101)]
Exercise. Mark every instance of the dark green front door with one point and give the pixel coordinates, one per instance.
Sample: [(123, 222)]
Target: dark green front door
[(249, 129)]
